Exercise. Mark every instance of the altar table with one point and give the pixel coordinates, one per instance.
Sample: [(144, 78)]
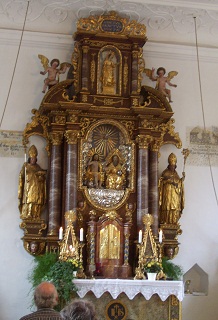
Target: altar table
[(133, 299)]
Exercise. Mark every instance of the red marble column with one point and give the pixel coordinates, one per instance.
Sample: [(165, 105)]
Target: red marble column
[(71, 170), (153, 189), (142, 180), (54, 203)]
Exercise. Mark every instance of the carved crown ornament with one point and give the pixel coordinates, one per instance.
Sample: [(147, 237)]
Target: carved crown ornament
[(111, 23)]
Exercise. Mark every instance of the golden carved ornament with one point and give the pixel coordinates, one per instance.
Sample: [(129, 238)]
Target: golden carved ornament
[(125, 73), (112, 215), (75, 64), (84, 98), (38, 121), (143, 141), (111, 23), (168, 128), (72, 118), (84, 124), (141, 67), (92, 71), (129, 125), (60, 119), (56, 138), (71, 136), (135, 101)]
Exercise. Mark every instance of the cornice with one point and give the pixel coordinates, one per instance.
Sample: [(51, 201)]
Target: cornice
[(164, 17)]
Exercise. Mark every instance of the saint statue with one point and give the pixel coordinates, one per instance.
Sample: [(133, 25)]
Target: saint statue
[(171, 193), (32, 187), (107, 78), (94, 175), (115, 174)]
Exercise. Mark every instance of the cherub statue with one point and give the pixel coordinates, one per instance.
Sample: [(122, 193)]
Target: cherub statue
[(162, 80), (53, 71)]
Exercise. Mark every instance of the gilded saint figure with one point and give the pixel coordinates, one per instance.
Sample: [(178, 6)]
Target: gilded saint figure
[(32, 187), (108, 77), (171, 193), (115, 174)]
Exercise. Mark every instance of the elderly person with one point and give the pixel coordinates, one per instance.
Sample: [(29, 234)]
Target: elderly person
[(79, 310), (45, 298)]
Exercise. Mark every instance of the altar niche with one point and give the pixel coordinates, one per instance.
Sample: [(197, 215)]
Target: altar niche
[(104, 131)]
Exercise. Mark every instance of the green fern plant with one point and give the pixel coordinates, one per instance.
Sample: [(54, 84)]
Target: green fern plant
[(171, 270)]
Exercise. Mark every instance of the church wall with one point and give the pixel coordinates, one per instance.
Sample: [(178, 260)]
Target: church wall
[(199, 221)]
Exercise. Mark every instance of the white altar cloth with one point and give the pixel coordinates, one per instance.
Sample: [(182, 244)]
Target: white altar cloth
[(130, 287)]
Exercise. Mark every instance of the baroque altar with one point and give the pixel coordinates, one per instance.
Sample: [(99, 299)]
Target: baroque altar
[(103, 130)]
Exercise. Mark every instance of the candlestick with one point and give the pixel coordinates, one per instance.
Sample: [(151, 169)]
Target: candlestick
[(81, 234), (140, 236), (60, 233), (160, 235)]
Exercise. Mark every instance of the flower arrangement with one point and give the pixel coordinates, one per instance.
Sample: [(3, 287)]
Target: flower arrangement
[(76, 264), (153, 266)]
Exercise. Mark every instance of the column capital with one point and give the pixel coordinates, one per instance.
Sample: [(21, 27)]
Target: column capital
[(56, 138), (72, 136)]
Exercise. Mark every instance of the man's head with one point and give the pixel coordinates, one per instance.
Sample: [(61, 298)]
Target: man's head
[(79, 310), (45, 295)]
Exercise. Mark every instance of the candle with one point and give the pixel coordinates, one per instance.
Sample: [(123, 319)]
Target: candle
[(160, 235), (140, 236), (60, 233), (81, 235)]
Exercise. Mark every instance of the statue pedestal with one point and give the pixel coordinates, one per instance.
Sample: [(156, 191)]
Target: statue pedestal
[(134, 299)]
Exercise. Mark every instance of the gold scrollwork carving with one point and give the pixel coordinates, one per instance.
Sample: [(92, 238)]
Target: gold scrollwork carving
[(60, 119), (92, 71), (75, 62), (38, 122), (125, 73), (169, 128), (84, 124), (95, 23), (141, 67), (71, 136), (56, 138), (129, 125)]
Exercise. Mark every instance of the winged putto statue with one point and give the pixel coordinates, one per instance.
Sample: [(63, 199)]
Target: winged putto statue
[(53, 71), (162, 80)]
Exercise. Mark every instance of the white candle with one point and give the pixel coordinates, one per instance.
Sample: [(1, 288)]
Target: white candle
[(140, 236), (81, 234), (160, 235), (60, 233)]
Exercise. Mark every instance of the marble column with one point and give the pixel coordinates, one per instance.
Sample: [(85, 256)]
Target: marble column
[(153, 188), (142, 180), (54, 204), (71, 170)]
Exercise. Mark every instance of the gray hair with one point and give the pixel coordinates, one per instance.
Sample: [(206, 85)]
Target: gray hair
[(45, 295), (79, 310)]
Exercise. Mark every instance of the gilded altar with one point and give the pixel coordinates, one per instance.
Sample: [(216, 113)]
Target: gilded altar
[(104, 130)]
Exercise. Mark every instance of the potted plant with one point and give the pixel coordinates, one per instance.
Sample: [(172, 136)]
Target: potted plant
[(48, 267), (152, 268)]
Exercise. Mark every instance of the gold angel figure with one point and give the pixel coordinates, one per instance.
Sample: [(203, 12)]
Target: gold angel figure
[(162, 80), (53, 71)]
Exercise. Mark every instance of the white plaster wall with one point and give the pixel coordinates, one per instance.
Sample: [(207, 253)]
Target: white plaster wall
[(200, 218)]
